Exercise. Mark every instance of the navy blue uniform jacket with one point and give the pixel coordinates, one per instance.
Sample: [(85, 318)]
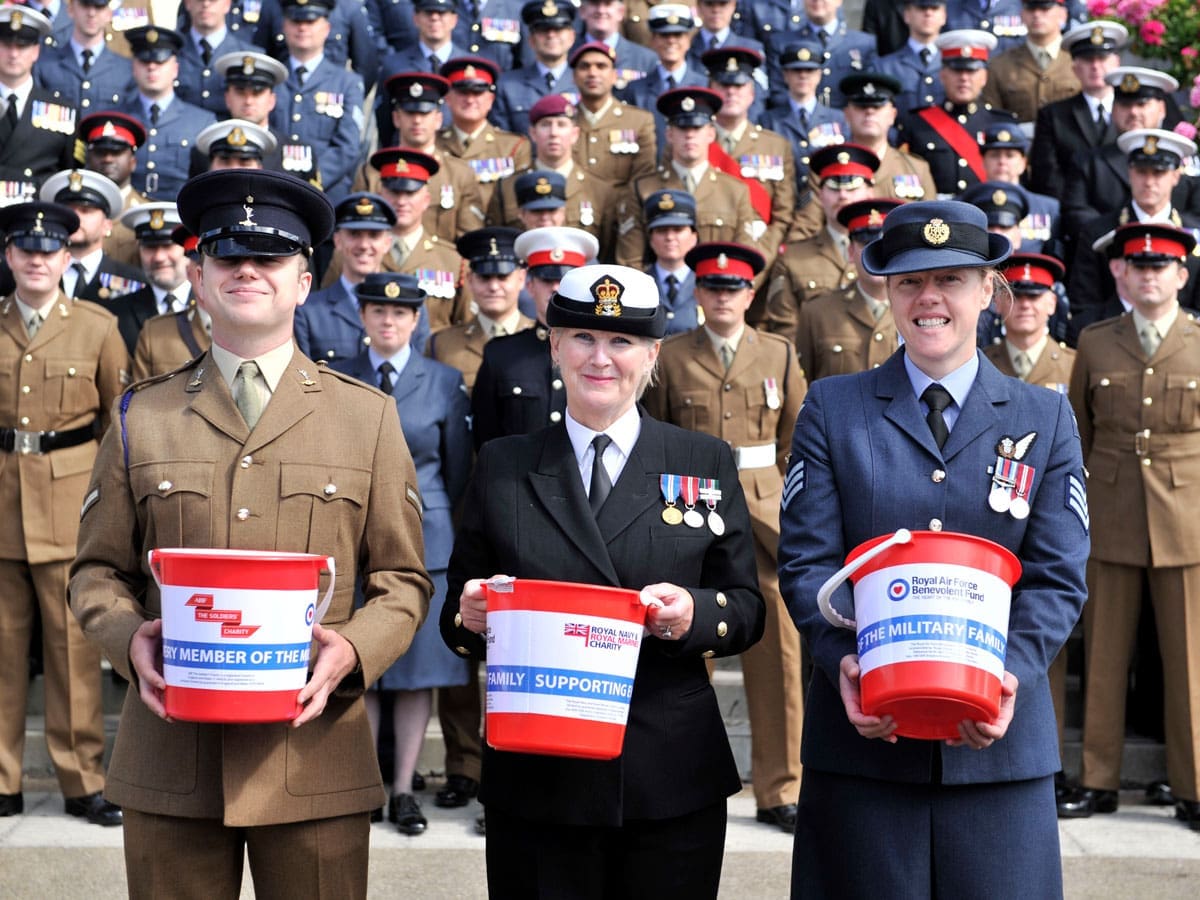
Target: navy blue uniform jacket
[(526, 514), (862, 465)]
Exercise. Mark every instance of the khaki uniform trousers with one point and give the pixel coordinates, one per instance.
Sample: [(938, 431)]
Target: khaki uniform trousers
[(1109, 634), (774, 695), (74, 717), (320, 858)]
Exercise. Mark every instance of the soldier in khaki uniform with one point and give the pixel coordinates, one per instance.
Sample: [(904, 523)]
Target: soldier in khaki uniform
[(820, 263), (591, 202), (730, 381), (870, 114), (753, 152), (1134, 389), (404, 181), (1036, 72), (616, 141), (108, 142), (64, 366), (491, 153), (495, 280), (850, 330), (171, 340), (457, 206), (266, 451), (723, 208)]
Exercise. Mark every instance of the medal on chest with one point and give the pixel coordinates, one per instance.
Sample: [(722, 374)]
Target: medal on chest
[(1012, 480)]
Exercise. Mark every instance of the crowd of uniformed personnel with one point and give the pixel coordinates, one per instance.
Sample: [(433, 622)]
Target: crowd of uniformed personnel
[(741, 152)]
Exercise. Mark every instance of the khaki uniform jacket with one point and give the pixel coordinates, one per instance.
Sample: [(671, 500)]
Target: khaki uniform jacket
[(325, 471), (1052, 369), (900, 176), (695, 392), (620, 147), (455, 204), (161, 349), (1016, 82), (837, 335), (492, 155), (461, 346), (723, 213), (64, 377), (121, 243), (591, 206), (801, 272), (767, 157), (1139, 423)]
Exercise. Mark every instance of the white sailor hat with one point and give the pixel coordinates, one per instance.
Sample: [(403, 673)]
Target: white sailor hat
[(83, 187), (965, 48), (551, 252), (1098, 38), (1133, 83), (236, 137), (1155, 148), (608, 298)]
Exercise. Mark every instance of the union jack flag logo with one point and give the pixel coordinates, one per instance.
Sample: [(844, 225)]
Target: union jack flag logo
[(575, 629)]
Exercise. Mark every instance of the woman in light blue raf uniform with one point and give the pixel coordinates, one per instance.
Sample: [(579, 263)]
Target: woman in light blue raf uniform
[(881, 815), (433, 407)]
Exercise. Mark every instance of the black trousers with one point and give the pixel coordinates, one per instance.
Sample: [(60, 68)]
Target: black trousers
[(645, 859)]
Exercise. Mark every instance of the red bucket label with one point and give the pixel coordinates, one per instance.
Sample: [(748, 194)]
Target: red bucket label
[(932, 612), (566, 665), (238, 639)]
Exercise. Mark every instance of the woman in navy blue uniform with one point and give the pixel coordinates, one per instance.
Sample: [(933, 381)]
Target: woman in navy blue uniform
[(650, 823), (434, 410), (886, 816)]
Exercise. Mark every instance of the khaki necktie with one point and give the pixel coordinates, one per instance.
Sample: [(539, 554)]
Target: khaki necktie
[(726, 355), (246, 394), (498, 330), (689, 183), (34, 323), (729, 143), (876, 307), (399, 252), (1151, 339), (1022, 364), (1043, 60)]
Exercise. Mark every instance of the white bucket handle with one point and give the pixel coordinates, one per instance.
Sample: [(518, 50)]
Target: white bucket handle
[(322, 608), (902, 536)]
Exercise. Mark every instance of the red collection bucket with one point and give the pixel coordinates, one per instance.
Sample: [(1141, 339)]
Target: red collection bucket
[(560, 665), (237, 627), (931, 614)]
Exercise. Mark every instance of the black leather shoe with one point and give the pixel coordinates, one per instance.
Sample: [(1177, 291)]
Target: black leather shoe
[(1188, 812), (481, 824), (1159, 793), (377, 815), (95, 809), (782, 817), (1062, 786), (11, 805), (458, 791), (1082, 802), (418, 782), (409, 819)]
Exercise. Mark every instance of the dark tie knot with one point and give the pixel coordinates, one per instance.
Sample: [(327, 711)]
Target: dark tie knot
[(937, 397)]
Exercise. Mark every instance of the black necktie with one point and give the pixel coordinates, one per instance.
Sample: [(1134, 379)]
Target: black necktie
[(473, 9), (87, 60), (434, 63), (155, 111), (385, 377), (301, 74), (601, 483), (205, 51), (80, 278), (803, 120), (1101, 124), (937, 398), (672, 290), (925, 55), (549, 81), (10, 114)]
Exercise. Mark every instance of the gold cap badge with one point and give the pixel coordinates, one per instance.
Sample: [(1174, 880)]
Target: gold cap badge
[(157, 220), (37, 225), (1097, 35), (1130, 84), (549, 9), (1003, 136), (666, 201), (75, 181), (236, 138), (556, 254), (875, 219), (247, 65), (804, 54), (152, 36), (542, 187), (364, 207), (391, 289), (936, 232), (1151, 145), (843, 158), (731, 64), (15, 22), (687, 104), (999, 198), (469, 72), (607, 294)]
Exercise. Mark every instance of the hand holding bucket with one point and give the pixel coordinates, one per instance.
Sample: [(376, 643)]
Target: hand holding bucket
[(237, 631), (931, 616)]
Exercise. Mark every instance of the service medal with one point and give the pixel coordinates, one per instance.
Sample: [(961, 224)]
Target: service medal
[(669, 485), (771, 390), (690, 489), (710, 493)]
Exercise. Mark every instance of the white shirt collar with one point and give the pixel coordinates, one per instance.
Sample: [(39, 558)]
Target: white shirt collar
[(1164, 215), (624, 433)]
